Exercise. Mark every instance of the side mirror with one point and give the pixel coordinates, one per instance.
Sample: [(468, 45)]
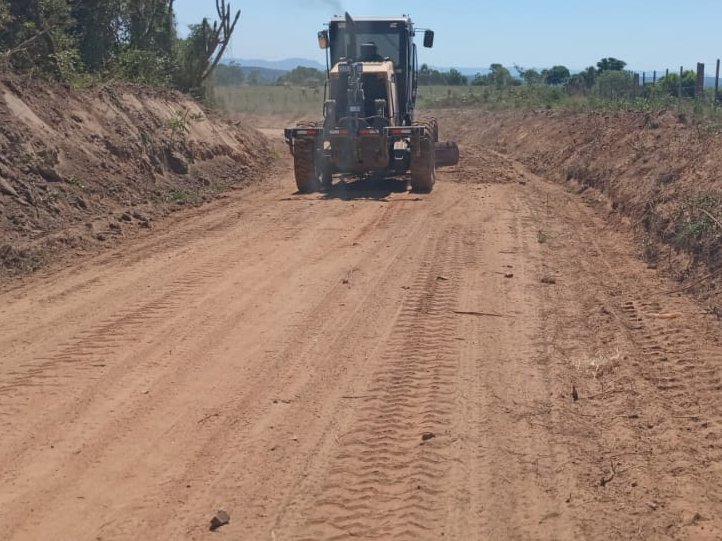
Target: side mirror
[(429, 39), (323, 41)]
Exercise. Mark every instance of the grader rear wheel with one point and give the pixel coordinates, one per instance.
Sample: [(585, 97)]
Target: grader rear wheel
[(423, 168), (304, 167), (431, 124)]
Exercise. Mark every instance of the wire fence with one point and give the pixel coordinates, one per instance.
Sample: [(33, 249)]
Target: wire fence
[(688, 83)]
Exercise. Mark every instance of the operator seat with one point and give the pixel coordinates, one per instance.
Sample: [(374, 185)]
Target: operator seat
[(370, 52)]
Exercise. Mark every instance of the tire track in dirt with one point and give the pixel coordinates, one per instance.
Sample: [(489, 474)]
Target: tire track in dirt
[(384, 479), (644, 434), (201, 236), (118, 427), (685, 369), (97, 353)]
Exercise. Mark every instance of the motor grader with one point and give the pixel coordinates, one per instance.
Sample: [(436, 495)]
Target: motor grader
[(369, 125)]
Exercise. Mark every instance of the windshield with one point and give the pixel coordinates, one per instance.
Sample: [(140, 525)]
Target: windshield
[(386, 36)]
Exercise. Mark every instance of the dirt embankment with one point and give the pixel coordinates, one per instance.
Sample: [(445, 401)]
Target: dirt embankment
[(85, 168), (660, 173)]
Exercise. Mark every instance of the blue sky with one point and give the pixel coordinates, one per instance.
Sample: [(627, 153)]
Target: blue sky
[(649, 34)]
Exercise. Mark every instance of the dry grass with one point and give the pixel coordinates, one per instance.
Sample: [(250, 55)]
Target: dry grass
[(268, 100), (599, 364)]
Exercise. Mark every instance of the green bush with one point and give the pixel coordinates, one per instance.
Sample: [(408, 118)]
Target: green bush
[(4, 14), (614, 84), (670, 84), (142, 66)]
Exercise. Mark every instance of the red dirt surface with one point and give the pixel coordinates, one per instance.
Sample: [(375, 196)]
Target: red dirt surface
[(489, 361)]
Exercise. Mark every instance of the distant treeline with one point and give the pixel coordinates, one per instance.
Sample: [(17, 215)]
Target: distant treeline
[(132, 40), (608, 78)]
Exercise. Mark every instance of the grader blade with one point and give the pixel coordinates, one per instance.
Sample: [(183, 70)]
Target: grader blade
[(447, 153)]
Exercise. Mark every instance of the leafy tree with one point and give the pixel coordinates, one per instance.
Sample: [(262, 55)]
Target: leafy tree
[(556, 76), (302, 76), (228, 75), (583, 81), (430, 76), (615, 84), (530, 76), (455, 78), (498, 76), (142, 66), (151, 25), (99, 28), (670, 84), (5, 17), (254, 78), (37, 36), (611, 64)]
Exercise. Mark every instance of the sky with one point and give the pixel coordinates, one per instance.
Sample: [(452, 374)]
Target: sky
[(647, 34)]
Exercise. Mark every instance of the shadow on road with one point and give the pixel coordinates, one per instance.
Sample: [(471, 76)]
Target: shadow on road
[(377, 188)]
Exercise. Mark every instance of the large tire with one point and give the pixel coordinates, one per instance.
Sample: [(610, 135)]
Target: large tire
[(304, 167), (423, 168), (431, 124)]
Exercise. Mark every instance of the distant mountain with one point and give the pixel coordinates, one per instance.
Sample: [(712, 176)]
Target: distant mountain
[(282, 65)]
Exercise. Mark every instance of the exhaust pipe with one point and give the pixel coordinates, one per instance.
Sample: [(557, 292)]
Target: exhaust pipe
[(446, 153)]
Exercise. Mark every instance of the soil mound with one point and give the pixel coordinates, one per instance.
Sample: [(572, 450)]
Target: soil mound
[(658, 171), (80, 168)]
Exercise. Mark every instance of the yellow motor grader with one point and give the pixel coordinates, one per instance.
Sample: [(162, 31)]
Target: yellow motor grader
[(369, 124)]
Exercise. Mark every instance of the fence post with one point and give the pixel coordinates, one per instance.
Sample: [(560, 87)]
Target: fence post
[(636, 84), (679, 86), (716, 82), (699, 89)]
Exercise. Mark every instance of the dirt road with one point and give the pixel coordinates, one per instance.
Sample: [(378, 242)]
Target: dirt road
[(366, 364)]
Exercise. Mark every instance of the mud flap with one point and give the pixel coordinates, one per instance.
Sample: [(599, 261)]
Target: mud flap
[(447, 153)]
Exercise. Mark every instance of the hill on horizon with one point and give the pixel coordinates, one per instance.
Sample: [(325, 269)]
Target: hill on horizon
[(278, 65)]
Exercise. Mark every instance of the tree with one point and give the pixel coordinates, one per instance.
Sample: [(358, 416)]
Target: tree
[(302, 76), (582, 81), (611, 64), (556, 76), (200, 53), (127, 39), (529, 76), (228, 75), (670, 84), (615, 84), (151, 25), (98, 28), (5, 17), (430, 76), (455, 78), (37, 36), (498, 76)]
